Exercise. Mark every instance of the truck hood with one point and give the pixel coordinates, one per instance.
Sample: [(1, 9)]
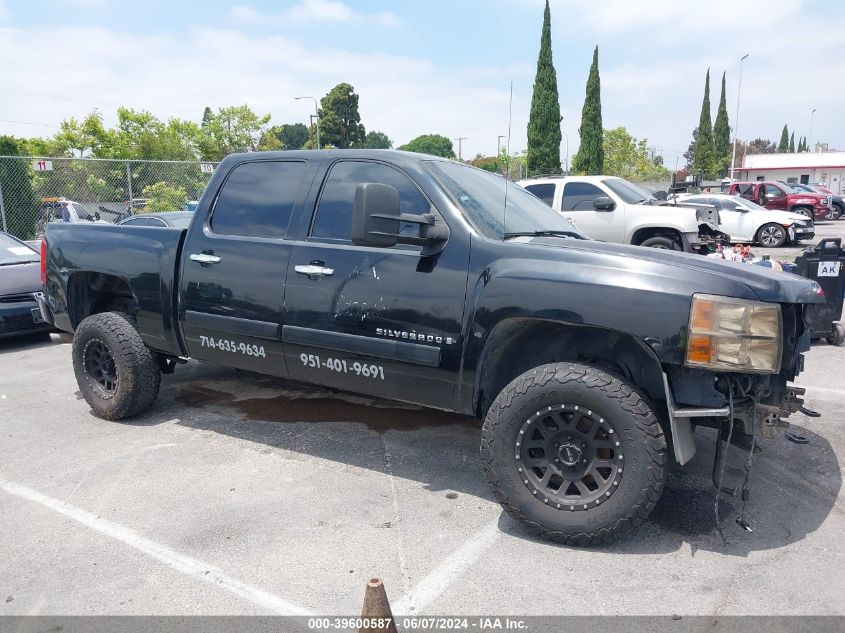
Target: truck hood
[(765, 283), (17, 279)]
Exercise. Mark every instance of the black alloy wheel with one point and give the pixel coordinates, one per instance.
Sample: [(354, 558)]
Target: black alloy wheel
[(570, 457), (100, 368)]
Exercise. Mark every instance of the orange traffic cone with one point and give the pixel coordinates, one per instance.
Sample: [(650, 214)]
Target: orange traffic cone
[(376, 610)]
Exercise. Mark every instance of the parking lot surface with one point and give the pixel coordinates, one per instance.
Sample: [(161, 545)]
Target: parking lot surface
[(242, 494)]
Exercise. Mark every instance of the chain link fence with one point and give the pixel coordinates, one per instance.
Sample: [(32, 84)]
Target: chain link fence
[(36, 190)]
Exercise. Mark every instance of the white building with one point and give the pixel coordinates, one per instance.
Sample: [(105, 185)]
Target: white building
[(823, 167)]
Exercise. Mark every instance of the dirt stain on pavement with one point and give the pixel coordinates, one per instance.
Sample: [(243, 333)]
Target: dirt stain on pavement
[(284, 408)]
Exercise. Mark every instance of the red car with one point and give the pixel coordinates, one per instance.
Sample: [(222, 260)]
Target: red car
[(776, 195)]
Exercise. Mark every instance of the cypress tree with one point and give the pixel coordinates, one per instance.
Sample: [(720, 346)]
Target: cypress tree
[(792, 143), (722, 134), (704, 160), (783, 146), (543, 152), (590, 156)]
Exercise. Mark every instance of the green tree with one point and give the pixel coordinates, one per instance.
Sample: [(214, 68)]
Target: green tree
[(232, 129), (704, 160), (376, 140), (792, 143), (20, 204), (722, 135), (340, 122), (783, 146), (293, 135), (433, 144), (162, 196), (590, 156), (628, 157), (544, 134), (802, 144)]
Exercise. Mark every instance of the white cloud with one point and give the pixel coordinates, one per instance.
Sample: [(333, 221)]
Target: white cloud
[(307, 11), (179, 75)]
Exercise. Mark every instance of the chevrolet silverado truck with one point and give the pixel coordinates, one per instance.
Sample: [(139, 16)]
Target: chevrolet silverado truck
[(424, 280), (612, 209)]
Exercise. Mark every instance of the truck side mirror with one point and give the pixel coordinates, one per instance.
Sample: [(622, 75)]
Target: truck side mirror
[(375, 215), (603, 203), (376, 221)]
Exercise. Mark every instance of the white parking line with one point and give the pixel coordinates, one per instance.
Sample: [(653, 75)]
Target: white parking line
[(432, 586), (192, 567)]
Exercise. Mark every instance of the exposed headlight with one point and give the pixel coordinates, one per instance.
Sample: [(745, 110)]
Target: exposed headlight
[(734, 335), (825, 201)]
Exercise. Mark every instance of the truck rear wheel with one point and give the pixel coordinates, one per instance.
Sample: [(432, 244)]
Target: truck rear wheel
[(117, 374), (574, 453)]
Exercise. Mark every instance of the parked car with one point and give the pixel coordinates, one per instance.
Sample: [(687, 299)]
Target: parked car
[(425, 280), (612, 209), (20, 280), (63, 210), (746, 221), (176, 219), (781, 197), (837, 210)]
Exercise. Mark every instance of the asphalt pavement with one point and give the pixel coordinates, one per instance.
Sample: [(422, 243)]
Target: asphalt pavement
[(243, 494)]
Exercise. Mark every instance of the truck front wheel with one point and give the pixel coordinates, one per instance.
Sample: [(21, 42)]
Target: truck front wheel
[(666, 243), (117, 374), (574, 453)]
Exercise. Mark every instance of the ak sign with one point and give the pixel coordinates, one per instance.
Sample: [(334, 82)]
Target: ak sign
[(829, 269)]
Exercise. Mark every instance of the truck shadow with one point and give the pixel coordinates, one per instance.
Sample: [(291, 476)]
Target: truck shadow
[(793, 487)]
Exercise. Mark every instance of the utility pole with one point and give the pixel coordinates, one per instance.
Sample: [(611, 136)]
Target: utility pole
[(459, 139), (736, 120), (566, 169), (810, 142), (316, 116)]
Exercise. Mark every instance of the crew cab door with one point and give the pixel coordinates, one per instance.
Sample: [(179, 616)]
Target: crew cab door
[(234, 265), (380, 321), (577, 206), (775, 197)]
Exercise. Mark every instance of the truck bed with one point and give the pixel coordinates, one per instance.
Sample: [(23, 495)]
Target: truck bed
[(142, 260)]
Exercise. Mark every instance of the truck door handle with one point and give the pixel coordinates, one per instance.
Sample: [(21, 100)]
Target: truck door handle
[(205, 258), (314, 271)]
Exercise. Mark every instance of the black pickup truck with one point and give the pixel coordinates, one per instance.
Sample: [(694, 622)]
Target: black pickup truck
[(428, 281)]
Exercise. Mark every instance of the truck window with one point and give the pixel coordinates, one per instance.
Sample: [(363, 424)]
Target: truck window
[(775, 191), (579, 196), (545, 191), (333, 217), (257, 199)]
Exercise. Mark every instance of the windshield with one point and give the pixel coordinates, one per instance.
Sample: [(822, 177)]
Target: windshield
[(746, 204), (628, 191), (481, 196), (15, 252)]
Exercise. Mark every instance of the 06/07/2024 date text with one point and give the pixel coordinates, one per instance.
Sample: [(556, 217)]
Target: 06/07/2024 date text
[(340, 365)]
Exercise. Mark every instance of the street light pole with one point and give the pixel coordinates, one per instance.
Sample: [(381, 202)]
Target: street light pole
[(810, 142), (736, 120), (567, 151), (316, 116)]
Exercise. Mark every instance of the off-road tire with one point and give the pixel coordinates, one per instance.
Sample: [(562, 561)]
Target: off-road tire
[(666, 243), (627, 412), (771, 231), (837, 337), (137, 373)]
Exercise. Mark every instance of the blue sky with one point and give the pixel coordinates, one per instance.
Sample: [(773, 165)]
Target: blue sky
[(432, 66)]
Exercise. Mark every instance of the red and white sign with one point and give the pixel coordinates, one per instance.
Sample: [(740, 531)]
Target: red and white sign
[(42, 165)]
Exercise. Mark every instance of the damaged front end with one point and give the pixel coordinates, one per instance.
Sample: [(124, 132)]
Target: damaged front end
[(754, 405)]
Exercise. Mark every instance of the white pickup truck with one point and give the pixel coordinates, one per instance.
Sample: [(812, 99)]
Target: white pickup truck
[(612, 209)]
